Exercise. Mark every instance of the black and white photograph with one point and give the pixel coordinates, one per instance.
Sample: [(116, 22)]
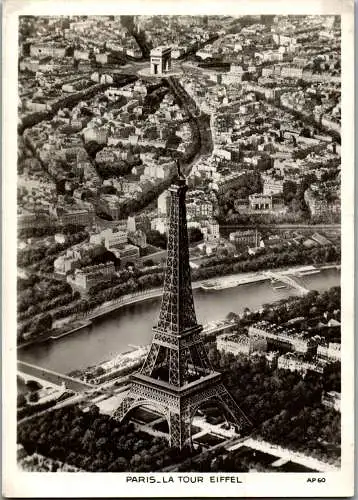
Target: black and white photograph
[(178, 247)]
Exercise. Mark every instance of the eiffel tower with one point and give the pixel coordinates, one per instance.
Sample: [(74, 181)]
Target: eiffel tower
[(176, 377)]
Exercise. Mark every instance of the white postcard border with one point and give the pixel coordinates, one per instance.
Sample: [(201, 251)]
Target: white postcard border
[(26, 484)]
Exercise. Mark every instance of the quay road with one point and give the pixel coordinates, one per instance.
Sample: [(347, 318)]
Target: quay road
[(131, 299), (122, 301), (55, 378), (73, 384), (115, 304)]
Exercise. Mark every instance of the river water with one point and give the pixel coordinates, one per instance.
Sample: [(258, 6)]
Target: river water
[(112, 334)]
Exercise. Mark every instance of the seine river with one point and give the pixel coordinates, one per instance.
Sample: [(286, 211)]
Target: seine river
[(113, 333)]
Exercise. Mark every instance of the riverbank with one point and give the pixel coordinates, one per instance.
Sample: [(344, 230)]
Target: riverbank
[(83, 324), (234, 280), (211, 285), (112, 333), (57, 333)]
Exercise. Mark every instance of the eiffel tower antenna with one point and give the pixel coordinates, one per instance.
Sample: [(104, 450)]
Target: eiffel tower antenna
[(176, 377)]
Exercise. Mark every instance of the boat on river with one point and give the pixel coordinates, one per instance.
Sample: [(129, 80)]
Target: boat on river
[(309, 272), (219, 285)]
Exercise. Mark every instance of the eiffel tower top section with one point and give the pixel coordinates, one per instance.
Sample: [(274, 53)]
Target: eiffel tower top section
[(177, 314)]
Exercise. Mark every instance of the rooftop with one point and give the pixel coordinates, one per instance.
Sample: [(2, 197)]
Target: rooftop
[(160, 51)]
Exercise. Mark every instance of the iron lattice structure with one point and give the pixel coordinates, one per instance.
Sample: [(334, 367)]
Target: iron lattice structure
[(176, 377)]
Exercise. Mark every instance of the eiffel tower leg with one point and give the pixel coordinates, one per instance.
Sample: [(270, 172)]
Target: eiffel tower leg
[(232, 407), (123, 408), (179, 429), (151, 358)]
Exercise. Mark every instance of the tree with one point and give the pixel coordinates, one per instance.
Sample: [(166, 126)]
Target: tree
[(92, 148), (194, 235), (289, 190), (305, 132), (88, 440), (94, 410), (33, 385), (149, 263), (119, 465), (21, 400), (231, 316), (43, 323), (33, 397), (128, 22), (101, 443), (156, 239)]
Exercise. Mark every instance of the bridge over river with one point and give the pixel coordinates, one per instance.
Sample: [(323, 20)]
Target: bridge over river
[(54, 377), (284, 278)]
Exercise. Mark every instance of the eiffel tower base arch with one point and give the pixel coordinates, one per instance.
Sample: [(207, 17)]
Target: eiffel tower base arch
[(179, 407)]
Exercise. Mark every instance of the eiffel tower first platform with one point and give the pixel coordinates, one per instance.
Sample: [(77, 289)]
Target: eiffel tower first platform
[(176, 377)]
